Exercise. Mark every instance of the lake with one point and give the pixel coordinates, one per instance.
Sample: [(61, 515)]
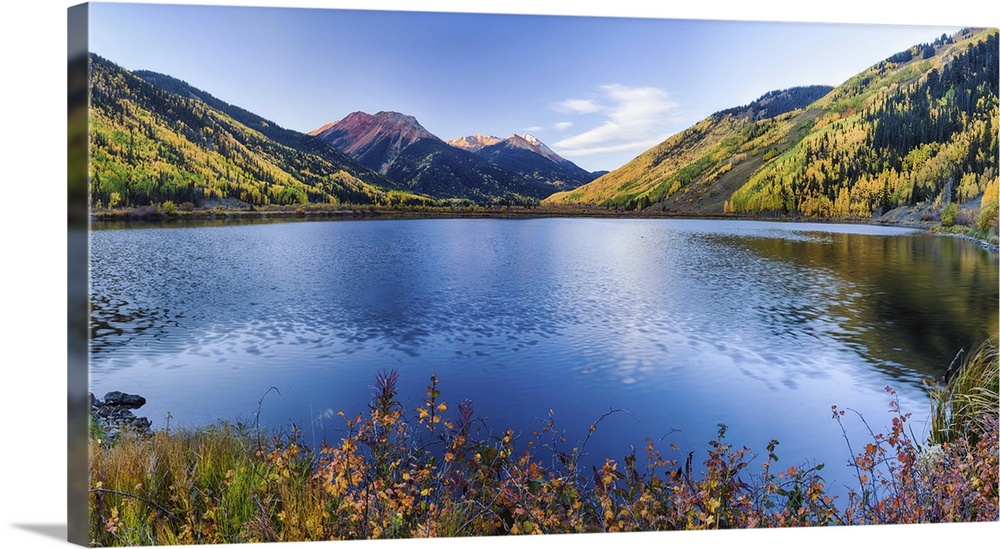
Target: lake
[(681, 324)]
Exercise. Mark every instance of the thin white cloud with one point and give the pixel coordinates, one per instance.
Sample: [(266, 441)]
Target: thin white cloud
[(534, 129), (634, 119), (562, 126), (635, 147), (578, 106)]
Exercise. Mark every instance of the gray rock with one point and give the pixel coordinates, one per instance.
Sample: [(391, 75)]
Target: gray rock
[(118, 398), (141, 425), (115, 416)]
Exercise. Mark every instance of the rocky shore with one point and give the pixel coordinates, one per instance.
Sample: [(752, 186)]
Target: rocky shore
[(114, 414), (988, 246)]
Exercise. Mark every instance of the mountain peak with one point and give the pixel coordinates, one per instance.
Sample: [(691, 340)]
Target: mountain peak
[(529, 138), (475, 142), (478, 142), (530, 142), (397, 118), (374, 139), (386, 121), (397, 146)]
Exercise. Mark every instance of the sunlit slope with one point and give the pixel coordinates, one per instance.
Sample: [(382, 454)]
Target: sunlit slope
[(699, 167), (151, 144), (919, 127)]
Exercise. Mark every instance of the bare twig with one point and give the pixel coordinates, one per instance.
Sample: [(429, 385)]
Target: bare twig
[(668, 433), (853, 461), (256, 421), (593, 428)]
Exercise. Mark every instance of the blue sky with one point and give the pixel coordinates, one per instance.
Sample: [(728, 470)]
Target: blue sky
[(598, 90)]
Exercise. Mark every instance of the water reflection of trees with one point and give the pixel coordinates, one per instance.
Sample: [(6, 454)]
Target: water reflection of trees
[(115, 322), (911, 302)]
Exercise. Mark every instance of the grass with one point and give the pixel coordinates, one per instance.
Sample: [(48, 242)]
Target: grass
[(437, 470), (961, 406)]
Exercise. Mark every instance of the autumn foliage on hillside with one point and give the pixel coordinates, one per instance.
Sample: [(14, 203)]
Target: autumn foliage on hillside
[(901, 133)]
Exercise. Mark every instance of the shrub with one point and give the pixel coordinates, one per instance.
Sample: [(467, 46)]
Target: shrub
[(949, 213), (967, 217), (902, 482), (987, 220)]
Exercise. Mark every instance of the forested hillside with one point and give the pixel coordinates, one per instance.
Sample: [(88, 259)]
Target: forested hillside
[(150, 145), (697, 169), (917, 127)]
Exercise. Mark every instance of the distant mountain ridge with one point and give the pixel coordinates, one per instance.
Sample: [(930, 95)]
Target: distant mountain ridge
[(528, 156), (518, 169), (531, 143)]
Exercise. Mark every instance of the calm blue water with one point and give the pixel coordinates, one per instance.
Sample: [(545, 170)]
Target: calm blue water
[(685, 324)]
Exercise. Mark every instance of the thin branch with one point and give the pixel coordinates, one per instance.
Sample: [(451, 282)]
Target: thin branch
[(256, 421), (668, 433), (594, 428)]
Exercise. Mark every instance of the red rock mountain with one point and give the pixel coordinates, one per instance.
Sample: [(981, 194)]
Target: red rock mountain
[(374, 139)]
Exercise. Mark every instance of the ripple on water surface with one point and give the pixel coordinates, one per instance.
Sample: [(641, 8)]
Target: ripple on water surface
[(684, 323)]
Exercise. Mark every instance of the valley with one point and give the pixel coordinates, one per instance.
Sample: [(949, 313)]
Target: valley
[(910, 140)]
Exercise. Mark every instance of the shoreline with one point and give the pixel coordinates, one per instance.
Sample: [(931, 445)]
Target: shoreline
[(146, 215), (986, 245), (222, 215)]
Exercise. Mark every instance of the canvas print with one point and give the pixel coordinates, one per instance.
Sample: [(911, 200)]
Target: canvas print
[(361, 274)]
